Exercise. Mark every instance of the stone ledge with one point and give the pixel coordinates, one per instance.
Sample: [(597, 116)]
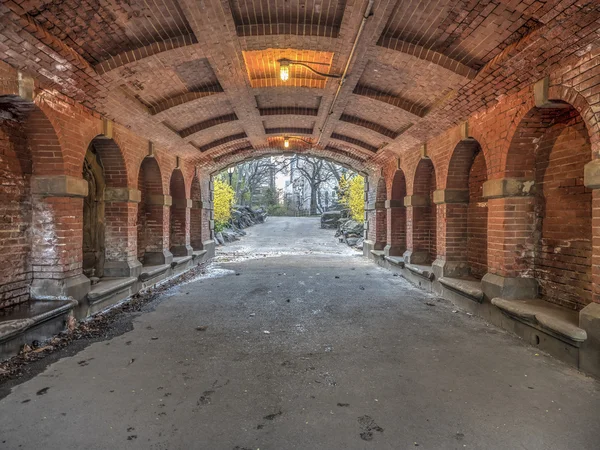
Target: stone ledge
[(107, 287), (422, 271), (125, 195), (395, 260), (416, 200), (159, 200), (149, 272), (468, 288), (443, 196), (198, 254), (378, 253), (59, 186), (559, 322), (179, 260), (508, 187)]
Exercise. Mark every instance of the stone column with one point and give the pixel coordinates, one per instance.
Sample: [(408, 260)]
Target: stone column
[(121, 206), (396, 228), (452, 253), (511, 227), (57, 237), (208, 221), (416, 253), (180, 237), (157, 223)]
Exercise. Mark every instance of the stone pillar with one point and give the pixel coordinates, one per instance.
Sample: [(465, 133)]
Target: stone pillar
[(57, 237), (396, 228), (208, 218), (121, 206), (452, 210), (416, 206), (180, 227), (511, 227), (379, 218), (157, 223)]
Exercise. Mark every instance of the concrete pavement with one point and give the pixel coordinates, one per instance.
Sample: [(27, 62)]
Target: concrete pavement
[(307, 346)]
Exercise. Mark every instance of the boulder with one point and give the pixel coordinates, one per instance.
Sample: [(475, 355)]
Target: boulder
[(330, 219), (352, 228), (352, 241), (219, 238)]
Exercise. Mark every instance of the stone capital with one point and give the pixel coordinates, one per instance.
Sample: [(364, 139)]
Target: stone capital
[(508, 187), (125, 195), (58, 186), (182, 203), (159, 200), (591, 174), (416, 200), (394, 204), (442, 196)]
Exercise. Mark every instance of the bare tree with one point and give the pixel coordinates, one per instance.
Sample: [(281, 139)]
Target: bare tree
[(252, 175), (315, 171)]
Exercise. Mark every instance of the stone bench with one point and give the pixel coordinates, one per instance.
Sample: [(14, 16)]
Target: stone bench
[(198, 254), (378, 253), (561, 323), (32, 320), (105, 293), (180, 260), (395, 260), (469, 288), (422, 271), (150, 272)]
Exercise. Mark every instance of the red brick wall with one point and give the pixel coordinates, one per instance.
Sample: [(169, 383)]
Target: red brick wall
[(477, 218), (563, 213), (179, 223), (396, 220), (15, 216), (151, 218), (424, 236), (196, 216)]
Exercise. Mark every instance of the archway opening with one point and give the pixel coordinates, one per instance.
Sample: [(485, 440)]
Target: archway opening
[(153, 216), (93, 215), (550, 148), (179, 216), (396, 220), (196, 215), (424, 214), (466, 233)]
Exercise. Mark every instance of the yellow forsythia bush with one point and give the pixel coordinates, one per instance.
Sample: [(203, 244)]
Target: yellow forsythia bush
[(352, 195), (223, 201)]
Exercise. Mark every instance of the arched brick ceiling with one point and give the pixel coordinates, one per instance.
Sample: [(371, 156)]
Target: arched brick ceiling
[(201, 76)]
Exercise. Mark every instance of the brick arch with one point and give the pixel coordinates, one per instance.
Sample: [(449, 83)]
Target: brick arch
[(179, 215), (113, 162), (423, 216), (396, 216), (38, 135), (196, 214), (153, 215), (551, 147), (527, 114), (466, 214)]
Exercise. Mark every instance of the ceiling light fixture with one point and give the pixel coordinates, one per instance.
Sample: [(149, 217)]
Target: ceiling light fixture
[(286, 142), (284, 68)]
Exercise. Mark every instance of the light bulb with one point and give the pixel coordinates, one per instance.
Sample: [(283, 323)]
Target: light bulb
[(284, 70), (286, 142)]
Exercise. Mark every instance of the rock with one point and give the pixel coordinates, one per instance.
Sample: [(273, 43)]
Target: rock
[(330, 219), (359, 243), (351, 241), (352, 228), (219, 238)]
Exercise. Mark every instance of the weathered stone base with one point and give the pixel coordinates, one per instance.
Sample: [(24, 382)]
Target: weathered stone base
[(158, 258), (392, 250), (182, 250), (209, 246), (75, 287), (510, 288), (452, 269), (589, 353), (122, 269), (367, 247), (419, 257)]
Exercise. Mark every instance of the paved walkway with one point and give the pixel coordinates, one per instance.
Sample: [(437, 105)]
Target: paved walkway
[(309, 347)]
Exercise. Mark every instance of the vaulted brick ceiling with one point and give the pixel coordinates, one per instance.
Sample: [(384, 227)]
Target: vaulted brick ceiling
[(202, 77)]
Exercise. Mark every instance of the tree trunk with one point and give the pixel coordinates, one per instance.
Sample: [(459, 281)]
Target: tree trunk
[(313, 200)]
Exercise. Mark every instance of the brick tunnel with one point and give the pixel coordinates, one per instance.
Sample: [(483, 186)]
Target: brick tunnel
[(475, 124)]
